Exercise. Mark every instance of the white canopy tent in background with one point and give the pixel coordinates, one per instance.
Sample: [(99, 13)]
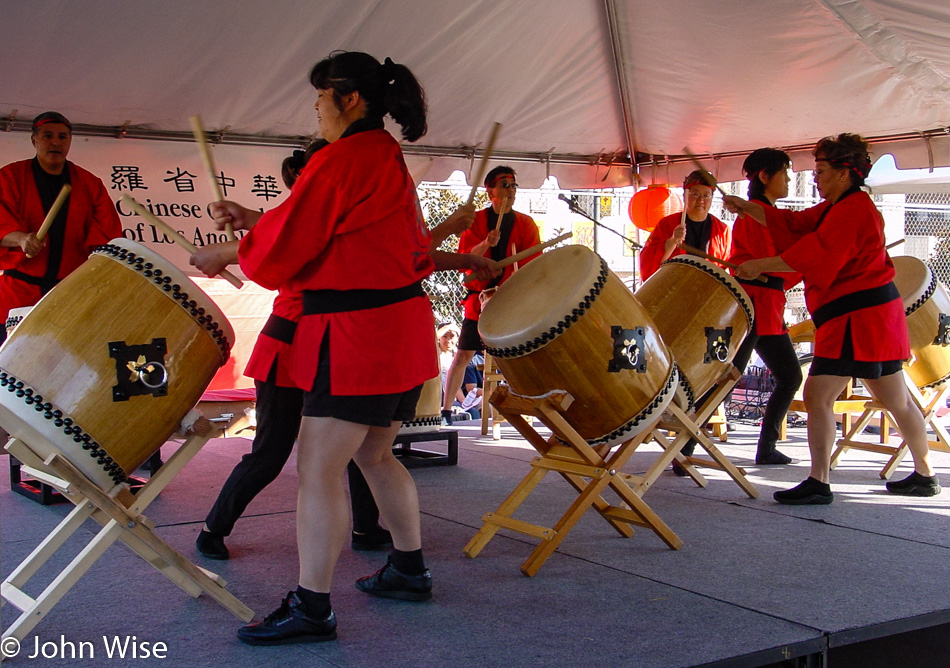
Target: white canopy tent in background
[(580, 85)]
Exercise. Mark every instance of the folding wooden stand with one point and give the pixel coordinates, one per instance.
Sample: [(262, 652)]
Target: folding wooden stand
[(927, 402), (491, 378), (685, 426), (587, 469), (120, 514)]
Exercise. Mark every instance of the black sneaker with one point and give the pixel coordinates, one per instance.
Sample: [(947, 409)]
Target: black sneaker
[(374, 541), (774, 458), (915, 485), (446, 418), (387, 582), (289, 624), (679, 470), (212, 546), (807, 493)]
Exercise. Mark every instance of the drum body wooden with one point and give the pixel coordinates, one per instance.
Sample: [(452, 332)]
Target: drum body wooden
[(429, 408), (703, 315), (927, 307), (104, 367), (565, 322)]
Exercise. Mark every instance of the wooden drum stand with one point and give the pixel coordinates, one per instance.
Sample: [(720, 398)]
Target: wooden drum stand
[(928, 402), (589, 470), (121, 515)]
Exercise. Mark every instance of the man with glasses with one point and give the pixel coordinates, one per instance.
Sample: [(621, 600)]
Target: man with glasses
[(514, 232)]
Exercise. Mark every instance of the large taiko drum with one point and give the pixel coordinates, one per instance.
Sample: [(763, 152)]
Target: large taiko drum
[(104, 367), (928, 321), (703, 315), (429, 407), (566, 322)]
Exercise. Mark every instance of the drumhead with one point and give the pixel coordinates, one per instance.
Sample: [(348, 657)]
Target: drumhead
[(722, 276), (914, 280), (540, 296), (166, 277)]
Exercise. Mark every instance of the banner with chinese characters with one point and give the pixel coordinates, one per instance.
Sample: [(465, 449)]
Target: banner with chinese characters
[(170, 180)]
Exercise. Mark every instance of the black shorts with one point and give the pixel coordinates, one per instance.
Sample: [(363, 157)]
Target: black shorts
[(847, 366), (469, 338), (375, 410)]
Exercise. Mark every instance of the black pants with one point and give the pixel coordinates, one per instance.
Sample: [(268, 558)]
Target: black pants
[(278, 421), (778, 354)]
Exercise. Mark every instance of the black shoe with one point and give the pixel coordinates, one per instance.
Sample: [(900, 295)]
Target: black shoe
[(679, 470), (446, 418), (212, 546), (807, 493), (915, 485), (387, 582), (374, 541), (289, 624), (774, 458)]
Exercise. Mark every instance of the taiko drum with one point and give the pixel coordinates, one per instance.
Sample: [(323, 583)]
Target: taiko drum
[(102, 369), (566, 322), (927, 307), (703, 315), (428, 415)]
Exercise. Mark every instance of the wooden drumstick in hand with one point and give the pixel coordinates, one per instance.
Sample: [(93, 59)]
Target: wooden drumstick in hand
[(175, 236), (528, 252), (713, 258), (53, 211), (198, 129), (483, 164)]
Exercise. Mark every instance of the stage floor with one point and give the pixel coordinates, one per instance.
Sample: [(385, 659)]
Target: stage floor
[(755, 583)]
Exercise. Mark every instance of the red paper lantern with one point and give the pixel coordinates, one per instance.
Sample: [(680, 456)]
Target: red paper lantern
[(651, 204)]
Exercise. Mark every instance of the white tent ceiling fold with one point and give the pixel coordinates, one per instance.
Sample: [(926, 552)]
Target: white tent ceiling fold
[(575, 82)]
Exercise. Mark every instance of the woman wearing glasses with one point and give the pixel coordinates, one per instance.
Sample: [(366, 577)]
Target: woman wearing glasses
[(694, 227), (500, 232)]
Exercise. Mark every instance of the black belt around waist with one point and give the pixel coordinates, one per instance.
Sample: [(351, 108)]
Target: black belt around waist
[(854, 302), (341, 301), (44, 284), (279, 328), (773, 282)]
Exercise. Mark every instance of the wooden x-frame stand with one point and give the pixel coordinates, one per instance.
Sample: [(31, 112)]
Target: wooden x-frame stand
[(120, 514), (928, 403), (685, 426), (589, 471)]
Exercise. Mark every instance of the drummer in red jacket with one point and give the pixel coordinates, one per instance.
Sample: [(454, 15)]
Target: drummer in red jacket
[(838, 246), (28, 188), (694, 226)]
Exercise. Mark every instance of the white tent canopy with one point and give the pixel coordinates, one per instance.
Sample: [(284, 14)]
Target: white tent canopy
[(579, 85)]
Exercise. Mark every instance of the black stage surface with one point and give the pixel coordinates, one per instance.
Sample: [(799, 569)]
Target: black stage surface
[(755, 584)]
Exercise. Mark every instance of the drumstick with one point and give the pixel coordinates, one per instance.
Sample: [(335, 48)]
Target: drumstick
[(713, 258), (896, 243), (707, 177), (198, 129), (176, 237), (528, 252), (53, 211), (483, 164)]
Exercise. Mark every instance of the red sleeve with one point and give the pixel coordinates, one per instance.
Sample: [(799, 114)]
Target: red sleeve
[(12, 208), (787, 227), (823, 253), (651, 256)]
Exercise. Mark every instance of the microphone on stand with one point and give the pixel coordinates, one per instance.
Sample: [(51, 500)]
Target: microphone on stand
[(573, 207)]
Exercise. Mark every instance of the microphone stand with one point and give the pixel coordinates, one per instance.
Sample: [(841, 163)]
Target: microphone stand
[(574, 208)]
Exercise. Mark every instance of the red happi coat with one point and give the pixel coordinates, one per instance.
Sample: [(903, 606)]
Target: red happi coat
[(91, 221), (524, 235), (842, 255), (352, 222), (751, 241), (652, 253), (269, 350)]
